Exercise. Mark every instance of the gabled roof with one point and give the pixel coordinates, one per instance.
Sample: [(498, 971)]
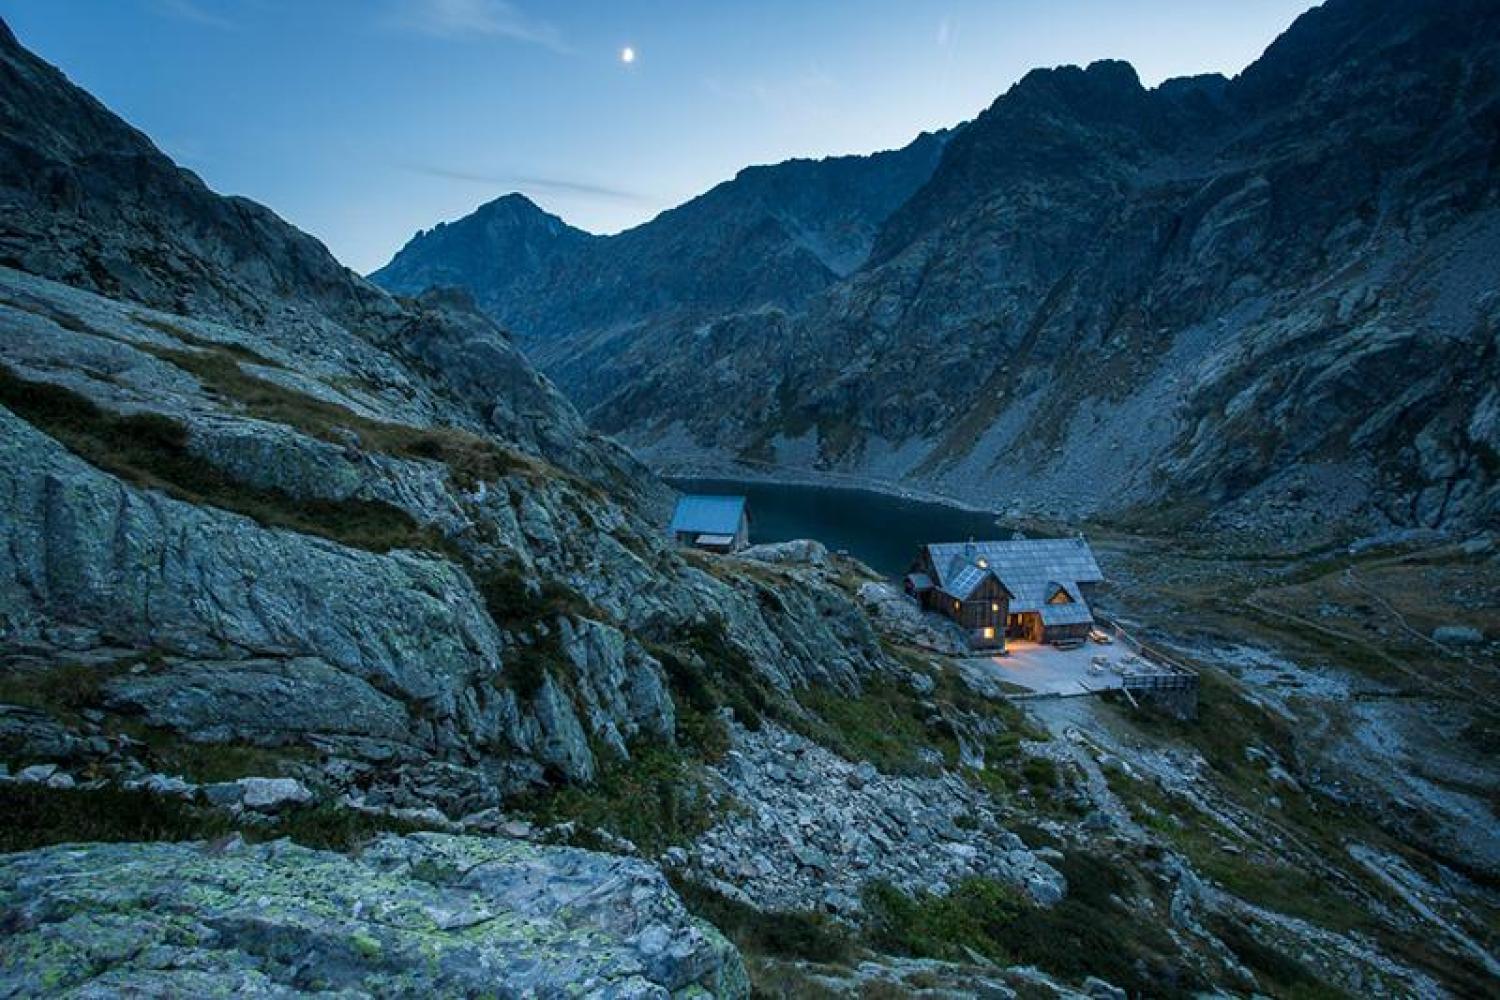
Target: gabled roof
[(1030, 568), (711, 515)]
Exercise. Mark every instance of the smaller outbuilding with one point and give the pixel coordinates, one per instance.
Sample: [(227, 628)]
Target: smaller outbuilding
[(711, 522)]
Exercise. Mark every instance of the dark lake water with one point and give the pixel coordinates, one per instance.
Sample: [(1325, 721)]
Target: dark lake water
[(884, 531)]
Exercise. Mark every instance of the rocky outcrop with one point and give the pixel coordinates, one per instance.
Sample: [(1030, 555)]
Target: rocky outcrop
[(809, 829), (424, 915), (255, 500)]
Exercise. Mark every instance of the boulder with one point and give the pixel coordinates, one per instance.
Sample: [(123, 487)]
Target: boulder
[(36, 774), (799, 551), (273, 794), (1457, 635), (1097, 989), (425, 915)]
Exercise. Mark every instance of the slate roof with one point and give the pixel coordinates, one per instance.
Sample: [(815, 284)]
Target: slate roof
[(705, 514), (1066, 614), (1032, 569)]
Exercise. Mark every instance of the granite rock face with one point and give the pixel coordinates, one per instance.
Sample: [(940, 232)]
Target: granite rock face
[(425, 915), (1266, 297), (253, 499)]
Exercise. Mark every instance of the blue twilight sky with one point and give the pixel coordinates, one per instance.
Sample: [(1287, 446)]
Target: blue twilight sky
[(362, 121)]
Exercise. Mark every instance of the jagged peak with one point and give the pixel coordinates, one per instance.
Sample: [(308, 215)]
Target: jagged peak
[(1106, 75), (515, 202)]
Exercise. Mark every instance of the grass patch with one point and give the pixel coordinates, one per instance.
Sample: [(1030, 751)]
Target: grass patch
[(1089, 933), (802, 936), (887, 724), (655, 800), (517, 606), (62, 690), (237, 351), (1278, 973), (470, 458), (1265, 881), (151, 450), (37, 816), (1227, 723), (208, 763), (706, 672), (513, 603)]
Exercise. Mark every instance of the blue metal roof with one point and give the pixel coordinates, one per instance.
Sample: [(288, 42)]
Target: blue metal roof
[(711, 515)]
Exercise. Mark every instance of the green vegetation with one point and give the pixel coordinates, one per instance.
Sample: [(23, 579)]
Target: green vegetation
[(151, 450), (1040, 772), (1227, 723), (1278, 973), (516, 606), (62, 690), (887, 724), (178, 332), (37, 816), (469, 457), (207, 763), (706, 671), (655, 800), (1243, 869), (810, 937), (900, 731), (1089, 933)]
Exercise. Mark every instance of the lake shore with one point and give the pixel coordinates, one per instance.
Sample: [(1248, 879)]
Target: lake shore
[(783, 476), (882, 527)]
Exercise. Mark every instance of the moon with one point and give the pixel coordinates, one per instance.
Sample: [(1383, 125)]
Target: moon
[(627, 55)]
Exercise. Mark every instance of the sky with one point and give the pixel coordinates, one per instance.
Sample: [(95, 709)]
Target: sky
[(362, 121)]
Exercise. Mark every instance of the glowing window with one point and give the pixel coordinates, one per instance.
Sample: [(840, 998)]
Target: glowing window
[(989, 633), (984, 564), (994, 607)]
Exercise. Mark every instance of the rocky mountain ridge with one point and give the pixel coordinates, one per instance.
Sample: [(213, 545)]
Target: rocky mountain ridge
[(1217, 295), (767, 239), (227, 453), (328, 630)]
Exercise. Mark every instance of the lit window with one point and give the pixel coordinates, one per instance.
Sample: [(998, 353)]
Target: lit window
[(984, 564), (989, 633), (994, 607), (955, 605)]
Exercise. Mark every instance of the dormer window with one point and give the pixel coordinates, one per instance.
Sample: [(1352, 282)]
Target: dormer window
[(982, 563)]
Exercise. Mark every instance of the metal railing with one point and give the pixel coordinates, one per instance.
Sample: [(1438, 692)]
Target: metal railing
[(1168, 674)]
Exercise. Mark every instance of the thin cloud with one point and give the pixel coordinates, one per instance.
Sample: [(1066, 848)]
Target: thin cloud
[(194, 11), (550, 185), (461, 19)]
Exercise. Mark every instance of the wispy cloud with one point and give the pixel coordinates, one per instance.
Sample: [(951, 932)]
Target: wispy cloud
[(461, 19), (207, 13), (550, 185)]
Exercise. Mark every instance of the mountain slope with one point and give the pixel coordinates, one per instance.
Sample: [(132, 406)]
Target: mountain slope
[(1242, 295), (498, 252), (285, 561), (769, 238), (260, 502)]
